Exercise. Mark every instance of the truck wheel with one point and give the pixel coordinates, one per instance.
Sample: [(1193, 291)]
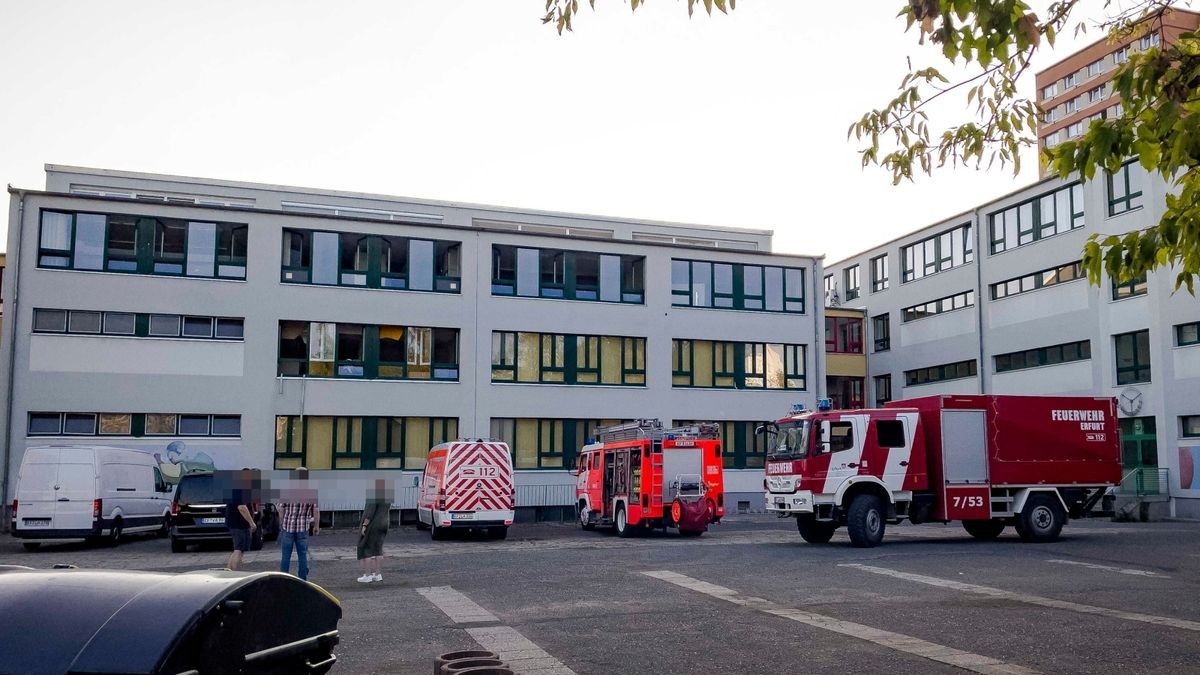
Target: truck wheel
[(585, 520), (32, 545), (437, 533), (983, 529), (865, 521), (624, 529), (114, 535), (1042, 519), (178, 546), (814, 531)]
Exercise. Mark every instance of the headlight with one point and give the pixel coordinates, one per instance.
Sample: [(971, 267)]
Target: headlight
[(781, 483)]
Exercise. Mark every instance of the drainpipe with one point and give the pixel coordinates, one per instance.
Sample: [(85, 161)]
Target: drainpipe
[(10, 329), (819, 333), (985, 379)]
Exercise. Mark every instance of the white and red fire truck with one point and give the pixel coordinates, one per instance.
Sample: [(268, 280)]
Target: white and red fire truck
[(989, 461), (639, 475)]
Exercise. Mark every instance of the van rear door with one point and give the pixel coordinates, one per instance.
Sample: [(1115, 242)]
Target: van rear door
[(76, 489), (478, 478), (35, 489)]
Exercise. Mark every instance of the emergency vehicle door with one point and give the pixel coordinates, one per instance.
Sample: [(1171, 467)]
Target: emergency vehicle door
[(964, 446), (843, 440)]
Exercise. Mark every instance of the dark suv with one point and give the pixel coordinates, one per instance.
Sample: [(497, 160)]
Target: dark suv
[(198, 515)]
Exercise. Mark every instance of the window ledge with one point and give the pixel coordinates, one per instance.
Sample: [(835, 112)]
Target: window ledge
[(1032, 290), (1113, 301), (1125, 213), (728, 389), (162, 338), (135, 275), (561, 385), (755, 312), (571, 300), (1131, 384), (341, 287), (363, 379), (932, 316), (1038, 367), (952, 379)]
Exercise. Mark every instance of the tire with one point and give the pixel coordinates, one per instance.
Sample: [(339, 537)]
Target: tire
[(422, 525), (165, 529), (115, 534), (32, 545), (499, 533), (437, 533), (178, 546), (814, 531), (866, 521), (984, 529), (581, 513), (621, 523), (1042, 519)]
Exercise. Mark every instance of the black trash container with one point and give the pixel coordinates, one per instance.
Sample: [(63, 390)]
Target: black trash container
[(108, 621)]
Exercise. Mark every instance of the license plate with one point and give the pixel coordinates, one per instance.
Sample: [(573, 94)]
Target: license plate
[(36, 522), (212, 521), (462, 516)]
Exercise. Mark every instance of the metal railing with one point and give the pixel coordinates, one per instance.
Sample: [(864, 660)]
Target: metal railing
[(1145, 482)]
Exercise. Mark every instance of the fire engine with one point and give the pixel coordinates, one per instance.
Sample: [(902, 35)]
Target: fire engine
[(989, 461), (639, 475)]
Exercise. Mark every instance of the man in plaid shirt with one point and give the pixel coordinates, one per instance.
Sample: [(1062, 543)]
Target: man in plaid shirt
[(297, 512)]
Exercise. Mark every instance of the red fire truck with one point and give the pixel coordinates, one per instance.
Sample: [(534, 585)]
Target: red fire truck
[(638, 476), (989, 461)]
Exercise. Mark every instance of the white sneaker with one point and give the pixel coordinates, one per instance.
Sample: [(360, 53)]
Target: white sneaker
[(366, 579), (376, 577)]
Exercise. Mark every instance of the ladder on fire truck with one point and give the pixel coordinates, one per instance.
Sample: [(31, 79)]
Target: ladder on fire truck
[(653, 431)]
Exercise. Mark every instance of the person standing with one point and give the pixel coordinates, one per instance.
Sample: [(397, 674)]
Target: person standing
[(298, 515), (372, 529), (238, 518)]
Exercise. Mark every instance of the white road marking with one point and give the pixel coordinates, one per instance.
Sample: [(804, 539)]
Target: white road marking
[(521, 654), (1110, 568), (988, 591), (976, 663), (457, 606)]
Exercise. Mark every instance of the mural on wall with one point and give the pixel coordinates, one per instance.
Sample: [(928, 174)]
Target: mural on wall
[(1189, 467), (179, 461)]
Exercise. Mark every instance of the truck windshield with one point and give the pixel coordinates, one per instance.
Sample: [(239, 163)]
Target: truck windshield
[(791, 442)]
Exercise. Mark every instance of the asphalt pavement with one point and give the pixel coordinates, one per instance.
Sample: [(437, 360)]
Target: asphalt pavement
[(748, 597)]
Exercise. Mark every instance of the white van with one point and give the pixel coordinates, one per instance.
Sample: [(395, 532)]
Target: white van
[(88, 492), (467, 485)]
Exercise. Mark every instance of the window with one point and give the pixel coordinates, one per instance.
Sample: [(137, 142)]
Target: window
[(1121, 55), (311, 349), (568, 275), (852, 287), (86, 322), (883, 389), (1049, 277), (1115, 111), (1133, 357), (879, 273), (718, 285), (1095, 68), (1075, 130), (142, 245), (132, 424), (1034, 219), (1070, 81), (545, 443), (881, 332), (843, 335), (841, 436), (1130, 289), (938, 253), (550, 358), (741, 446), (371, 261), (1050, 116), (1098, 94), (1053, 139), (890, 433), (1044, 356), (846, 393), (1125, 189), (1151, 40), (1187, 334), (1050, 91), (1071, 106), (737, 365), (351, 443), (1189, 426), (124, 323), (942, 373), (49, 321), (939, 306), (198, 326), (830, 289)]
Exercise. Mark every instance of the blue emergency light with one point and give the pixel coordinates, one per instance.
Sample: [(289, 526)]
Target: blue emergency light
[(797, 408), (824, 404)]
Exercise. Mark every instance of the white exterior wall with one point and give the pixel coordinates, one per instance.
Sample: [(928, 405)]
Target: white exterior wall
[(143, 375), (1044, 317)]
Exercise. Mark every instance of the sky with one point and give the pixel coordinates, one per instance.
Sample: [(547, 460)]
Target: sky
[(736, 120)]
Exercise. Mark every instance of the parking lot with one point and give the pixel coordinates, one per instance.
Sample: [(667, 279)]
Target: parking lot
[(749, 596)]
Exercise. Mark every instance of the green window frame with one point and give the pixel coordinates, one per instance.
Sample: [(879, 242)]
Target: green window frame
[(1124, 189), (881, 332), (1045, 215), (879, 273), (131, 324), (708, 364), (853, 284), (708, 284), (150, 245), (1053, 276), (949, 303), (369, 260), (883, 389), (1053, 355), (359, 351), (1133, 288), (323, 442), (940, 373), (132, 425), (592, 276), (524, 357), (938, 253), (545, 443), (1187, 334), (1132, 354)]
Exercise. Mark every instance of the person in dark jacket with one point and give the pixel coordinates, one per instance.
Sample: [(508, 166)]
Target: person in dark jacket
[(372, 529)]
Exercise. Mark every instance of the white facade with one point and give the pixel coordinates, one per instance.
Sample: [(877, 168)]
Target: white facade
[(76, 372), (1037, 328)]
